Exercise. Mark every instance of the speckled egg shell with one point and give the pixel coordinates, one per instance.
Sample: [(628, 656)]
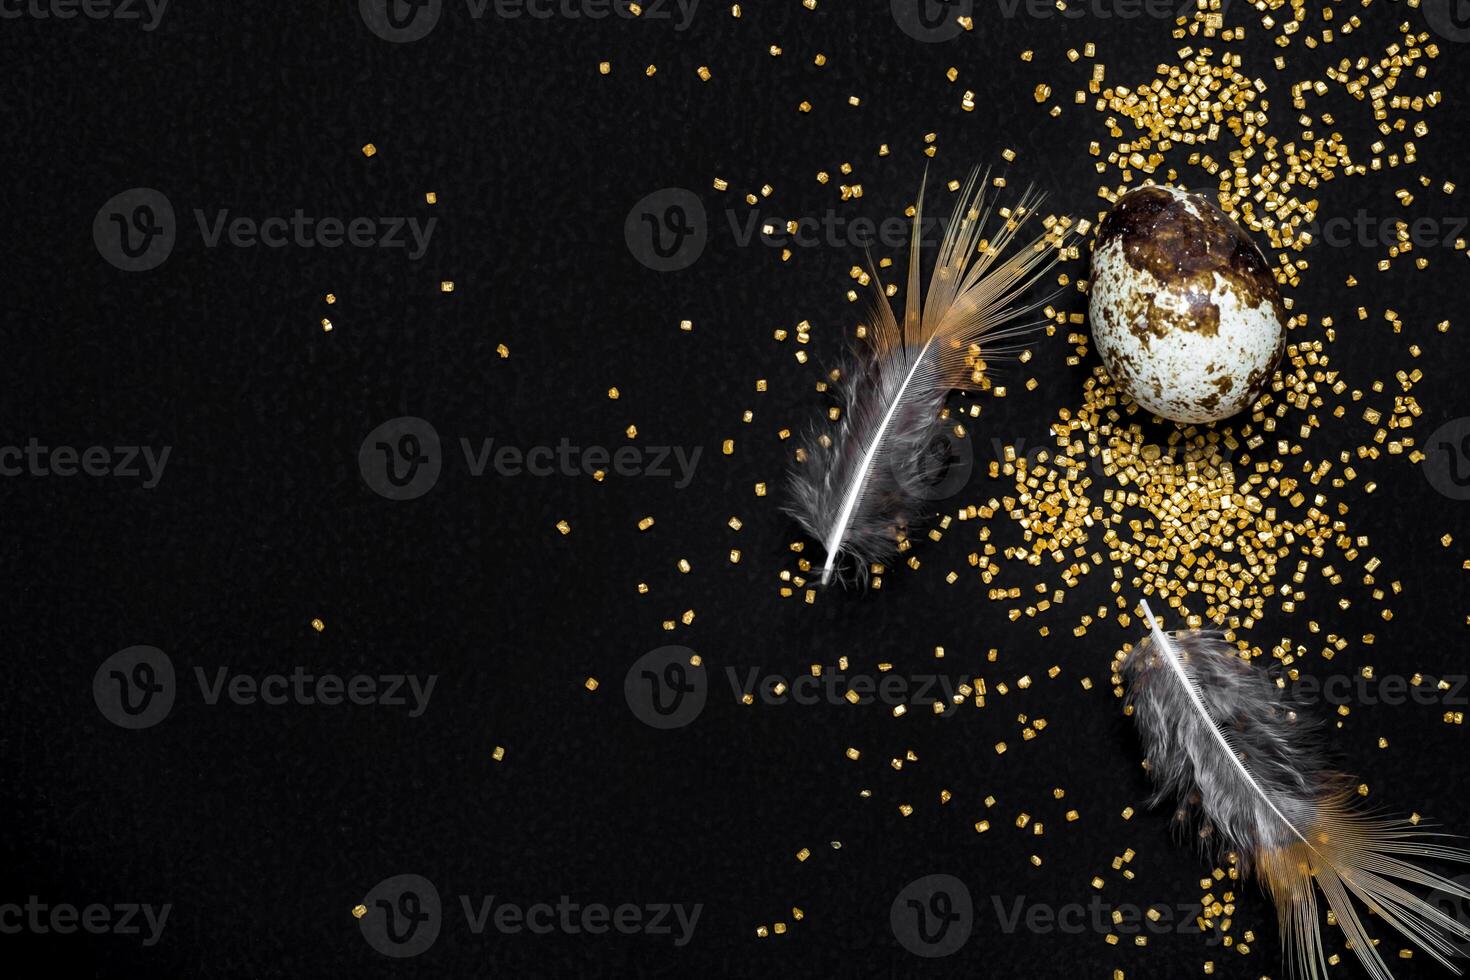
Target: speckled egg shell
[(1184, 307)]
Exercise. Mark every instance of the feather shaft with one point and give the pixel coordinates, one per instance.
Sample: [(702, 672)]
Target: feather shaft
[(1176, 664), (833, 544)]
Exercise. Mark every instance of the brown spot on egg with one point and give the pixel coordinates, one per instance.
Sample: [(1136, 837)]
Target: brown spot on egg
[(1184, 240)]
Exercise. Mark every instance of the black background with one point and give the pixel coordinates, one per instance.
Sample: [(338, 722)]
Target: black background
[(264, 826)]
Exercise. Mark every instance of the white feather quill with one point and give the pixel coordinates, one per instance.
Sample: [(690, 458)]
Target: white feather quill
[(1246, 767), (861, 486)]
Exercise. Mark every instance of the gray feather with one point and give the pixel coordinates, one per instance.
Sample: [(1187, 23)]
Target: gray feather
[(1233, 806), (866, 481), (1247, 769), (896, 483)]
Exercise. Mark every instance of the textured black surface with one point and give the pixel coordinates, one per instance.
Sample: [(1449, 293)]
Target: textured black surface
[(263, 826)]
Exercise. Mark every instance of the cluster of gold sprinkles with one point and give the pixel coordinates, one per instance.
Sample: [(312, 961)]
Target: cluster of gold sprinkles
[(1202, 114), (1226, 524), (1239, 523)]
